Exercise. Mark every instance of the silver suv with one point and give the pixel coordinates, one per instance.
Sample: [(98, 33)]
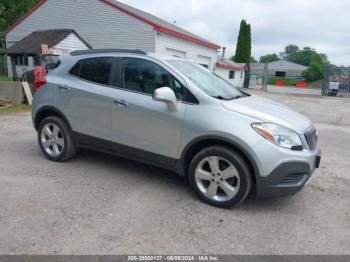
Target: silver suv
[(177, 115)]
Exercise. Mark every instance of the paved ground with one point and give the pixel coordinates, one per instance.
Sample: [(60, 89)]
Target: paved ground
[(292, 90), (97, 204)]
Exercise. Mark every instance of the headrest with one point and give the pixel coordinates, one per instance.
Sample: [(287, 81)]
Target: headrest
[(149, 73)]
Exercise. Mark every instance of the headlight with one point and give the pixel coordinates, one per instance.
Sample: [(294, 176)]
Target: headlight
[(279, 135)]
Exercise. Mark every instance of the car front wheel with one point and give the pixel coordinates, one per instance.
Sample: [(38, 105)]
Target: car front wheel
[(220, 176)]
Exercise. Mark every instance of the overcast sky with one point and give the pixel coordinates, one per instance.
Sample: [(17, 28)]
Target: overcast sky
[(321, 24)]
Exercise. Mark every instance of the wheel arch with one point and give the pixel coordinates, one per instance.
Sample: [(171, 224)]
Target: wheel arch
[(203, 142), (48, 111)]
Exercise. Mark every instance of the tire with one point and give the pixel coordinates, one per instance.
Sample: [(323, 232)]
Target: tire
[(222, 171), (55, 140)]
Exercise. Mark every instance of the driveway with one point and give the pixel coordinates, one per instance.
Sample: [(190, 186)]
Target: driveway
[(98, 204), (292, 90)]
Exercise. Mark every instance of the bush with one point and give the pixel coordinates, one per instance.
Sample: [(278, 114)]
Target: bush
[(316, 70), (288, 81)]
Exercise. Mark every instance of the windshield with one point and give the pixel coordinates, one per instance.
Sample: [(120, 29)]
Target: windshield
[(210, 83)]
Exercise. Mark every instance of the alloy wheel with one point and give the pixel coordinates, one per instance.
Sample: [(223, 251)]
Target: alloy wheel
[(217, 178), (52, 139)]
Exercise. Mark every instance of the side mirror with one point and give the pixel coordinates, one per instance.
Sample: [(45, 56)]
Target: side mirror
[(166, 95)]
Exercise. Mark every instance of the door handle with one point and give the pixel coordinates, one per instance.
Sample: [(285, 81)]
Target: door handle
[(121, 103), (64, 88)]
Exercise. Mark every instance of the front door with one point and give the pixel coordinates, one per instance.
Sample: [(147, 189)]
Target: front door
[(141, 125)]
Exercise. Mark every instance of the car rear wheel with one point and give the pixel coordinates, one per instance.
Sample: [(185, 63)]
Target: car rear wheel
[(220, 176), (55, 139)]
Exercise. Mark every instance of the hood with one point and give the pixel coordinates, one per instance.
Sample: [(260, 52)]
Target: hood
[(269, 111)]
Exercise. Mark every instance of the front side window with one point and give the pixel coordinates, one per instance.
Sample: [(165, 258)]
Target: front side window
[(95, 70), (210, 83), (144, 76)]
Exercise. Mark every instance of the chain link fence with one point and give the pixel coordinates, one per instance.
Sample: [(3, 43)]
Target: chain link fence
[(336, 82)]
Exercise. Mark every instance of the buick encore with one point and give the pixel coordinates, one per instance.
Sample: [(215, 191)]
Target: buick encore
[(177, 115)]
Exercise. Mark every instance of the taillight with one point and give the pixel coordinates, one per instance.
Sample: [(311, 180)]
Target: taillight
[(37, 85), (39, 77)]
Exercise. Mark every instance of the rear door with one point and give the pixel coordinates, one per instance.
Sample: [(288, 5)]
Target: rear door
[(146, 127), (85, 99)]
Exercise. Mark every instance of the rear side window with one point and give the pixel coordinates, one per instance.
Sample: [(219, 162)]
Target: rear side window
[(97, 70)]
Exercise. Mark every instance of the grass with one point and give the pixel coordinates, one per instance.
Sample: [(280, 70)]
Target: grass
[(288, 81), (15, 108), (315, 84), (5, 78)]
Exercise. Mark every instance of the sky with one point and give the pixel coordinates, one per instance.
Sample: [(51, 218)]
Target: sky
[(320, 24)]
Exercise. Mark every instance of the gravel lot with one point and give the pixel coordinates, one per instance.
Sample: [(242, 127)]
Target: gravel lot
[(98, 204)]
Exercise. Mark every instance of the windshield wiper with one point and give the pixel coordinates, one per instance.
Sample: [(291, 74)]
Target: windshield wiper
[(235, 97), (220, 98), (223, 98)]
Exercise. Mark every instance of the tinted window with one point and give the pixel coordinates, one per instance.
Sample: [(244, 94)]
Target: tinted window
[(96, 70), (75, 70), (144, 76)]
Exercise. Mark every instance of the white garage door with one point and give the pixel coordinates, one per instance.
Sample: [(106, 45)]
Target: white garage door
[(203, 60), (177, 53)]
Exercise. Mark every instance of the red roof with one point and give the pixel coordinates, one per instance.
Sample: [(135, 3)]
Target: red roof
[(227, 66), (156, 23)]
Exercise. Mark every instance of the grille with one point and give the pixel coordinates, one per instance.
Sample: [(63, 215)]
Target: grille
[(311, 138), (292, 179)]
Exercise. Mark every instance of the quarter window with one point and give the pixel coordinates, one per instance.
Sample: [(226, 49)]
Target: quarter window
[(95, 70), (143, 76)]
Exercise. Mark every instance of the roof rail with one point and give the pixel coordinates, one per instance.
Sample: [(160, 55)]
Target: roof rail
[(102, 51)]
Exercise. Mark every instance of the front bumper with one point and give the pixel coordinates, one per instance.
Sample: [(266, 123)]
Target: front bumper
[(287, 179)]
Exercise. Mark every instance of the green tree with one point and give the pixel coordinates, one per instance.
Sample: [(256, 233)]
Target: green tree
[(316, 68), (309, 57), (253, 60), (244, 49), (12, 10), (291, 49), (302, 57), (269, 58), (335, 70)]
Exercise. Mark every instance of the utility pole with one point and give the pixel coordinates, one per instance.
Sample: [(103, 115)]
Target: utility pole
[(325, 83)]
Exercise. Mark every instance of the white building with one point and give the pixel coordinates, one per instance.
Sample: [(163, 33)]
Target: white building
[(280, 68), (111, 24), (27, 52), (231, 71)]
